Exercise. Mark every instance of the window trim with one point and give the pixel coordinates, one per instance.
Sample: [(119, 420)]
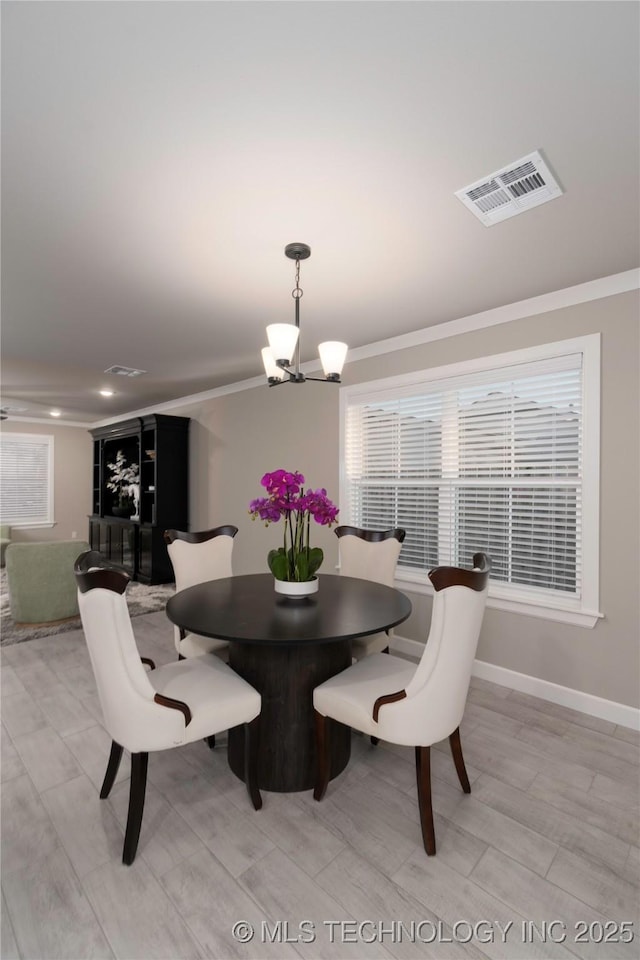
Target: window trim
[(49, 522), (583, 611)]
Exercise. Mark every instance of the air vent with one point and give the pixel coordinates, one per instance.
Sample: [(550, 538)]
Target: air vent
[(125, 371), (7, 410), (523, 184)]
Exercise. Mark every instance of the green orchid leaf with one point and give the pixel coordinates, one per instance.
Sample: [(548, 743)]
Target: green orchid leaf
[(316, 556), (278, 564), (302, 568)]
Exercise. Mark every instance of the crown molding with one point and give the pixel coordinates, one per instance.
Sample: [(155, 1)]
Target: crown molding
[(546, 302), (569, 297), (49, 422)]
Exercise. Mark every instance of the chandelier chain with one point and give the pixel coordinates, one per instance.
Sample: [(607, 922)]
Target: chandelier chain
[(297, 292)]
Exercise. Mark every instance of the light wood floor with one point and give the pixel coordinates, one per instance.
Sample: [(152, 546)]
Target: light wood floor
[(549, 834)]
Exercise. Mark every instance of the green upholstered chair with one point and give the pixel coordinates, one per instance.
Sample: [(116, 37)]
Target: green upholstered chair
[(41, 581), (5, 540)]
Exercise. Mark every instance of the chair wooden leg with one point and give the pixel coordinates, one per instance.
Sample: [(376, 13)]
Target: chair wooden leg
[(139, 763), (322, 755), (112, 768), (423, 778), (458, 759), (251, 749)]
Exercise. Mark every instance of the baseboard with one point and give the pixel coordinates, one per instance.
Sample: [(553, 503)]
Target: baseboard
[(553, 692)]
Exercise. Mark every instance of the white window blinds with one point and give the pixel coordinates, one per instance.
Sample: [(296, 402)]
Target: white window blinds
[(26, 479), (490, 460)]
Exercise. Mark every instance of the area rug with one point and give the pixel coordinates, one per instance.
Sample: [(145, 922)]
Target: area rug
[(140, 599)]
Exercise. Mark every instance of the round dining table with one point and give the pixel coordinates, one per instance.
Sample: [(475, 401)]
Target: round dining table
[(285, 648)]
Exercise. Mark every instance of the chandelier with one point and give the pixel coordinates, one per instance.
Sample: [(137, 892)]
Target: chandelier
[(282, 357)]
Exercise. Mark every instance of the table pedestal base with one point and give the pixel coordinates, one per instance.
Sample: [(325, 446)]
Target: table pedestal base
[(286, 676)]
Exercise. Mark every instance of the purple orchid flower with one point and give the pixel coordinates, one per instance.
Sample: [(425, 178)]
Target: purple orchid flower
[(296, 559)]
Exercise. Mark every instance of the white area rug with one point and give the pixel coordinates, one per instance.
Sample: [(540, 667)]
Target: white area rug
[(140, 598)]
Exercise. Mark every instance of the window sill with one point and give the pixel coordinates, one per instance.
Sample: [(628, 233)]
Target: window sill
[(524, 606), (17, 525)]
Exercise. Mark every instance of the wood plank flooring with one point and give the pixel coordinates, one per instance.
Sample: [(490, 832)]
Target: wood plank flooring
[(541, 860)]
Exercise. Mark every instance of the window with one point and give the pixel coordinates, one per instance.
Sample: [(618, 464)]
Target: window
[(26, 479), (498, 454)]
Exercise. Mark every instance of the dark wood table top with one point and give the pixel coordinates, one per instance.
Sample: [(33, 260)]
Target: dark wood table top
[(246, 609)]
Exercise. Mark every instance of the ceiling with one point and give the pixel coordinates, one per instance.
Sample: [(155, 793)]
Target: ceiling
[(157, 158)]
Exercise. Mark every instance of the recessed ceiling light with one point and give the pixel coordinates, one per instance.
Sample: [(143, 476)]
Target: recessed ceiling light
[(107, 393), (55, 413)]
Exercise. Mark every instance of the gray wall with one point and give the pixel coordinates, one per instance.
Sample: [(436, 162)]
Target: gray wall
[(72, 470), (236, 438)]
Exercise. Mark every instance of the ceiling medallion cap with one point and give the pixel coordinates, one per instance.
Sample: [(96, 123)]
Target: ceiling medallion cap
[(297, 251)]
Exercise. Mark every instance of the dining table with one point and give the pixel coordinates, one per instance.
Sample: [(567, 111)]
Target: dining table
[(285, 648)]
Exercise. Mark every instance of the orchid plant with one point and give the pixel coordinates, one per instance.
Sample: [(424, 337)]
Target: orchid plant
[(287, 500)]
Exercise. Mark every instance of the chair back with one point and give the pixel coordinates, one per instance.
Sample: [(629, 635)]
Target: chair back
[(437, 693), (126, 696), (197, 557), (369, 554)]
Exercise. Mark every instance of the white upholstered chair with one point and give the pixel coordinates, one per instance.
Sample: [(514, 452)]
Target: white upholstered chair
[(395, 700), (197, 557), (369, 555), (164, 707)]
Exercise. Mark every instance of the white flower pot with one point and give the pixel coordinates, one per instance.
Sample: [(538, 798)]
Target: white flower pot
[(294, 588)]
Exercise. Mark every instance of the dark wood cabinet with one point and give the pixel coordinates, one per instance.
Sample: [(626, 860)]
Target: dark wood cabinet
[(115, 539), (158, 447)]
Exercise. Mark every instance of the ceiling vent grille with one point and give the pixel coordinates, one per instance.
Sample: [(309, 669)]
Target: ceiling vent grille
[(523, 184), (6, 410), (125, 371)]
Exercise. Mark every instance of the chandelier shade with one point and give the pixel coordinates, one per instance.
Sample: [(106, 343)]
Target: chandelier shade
[(272, 370), (333, 353), (282, 357), (283, 339)]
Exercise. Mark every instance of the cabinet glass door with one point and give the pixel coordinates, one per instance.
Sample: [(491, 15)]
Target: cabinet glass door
[(148, 477)]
